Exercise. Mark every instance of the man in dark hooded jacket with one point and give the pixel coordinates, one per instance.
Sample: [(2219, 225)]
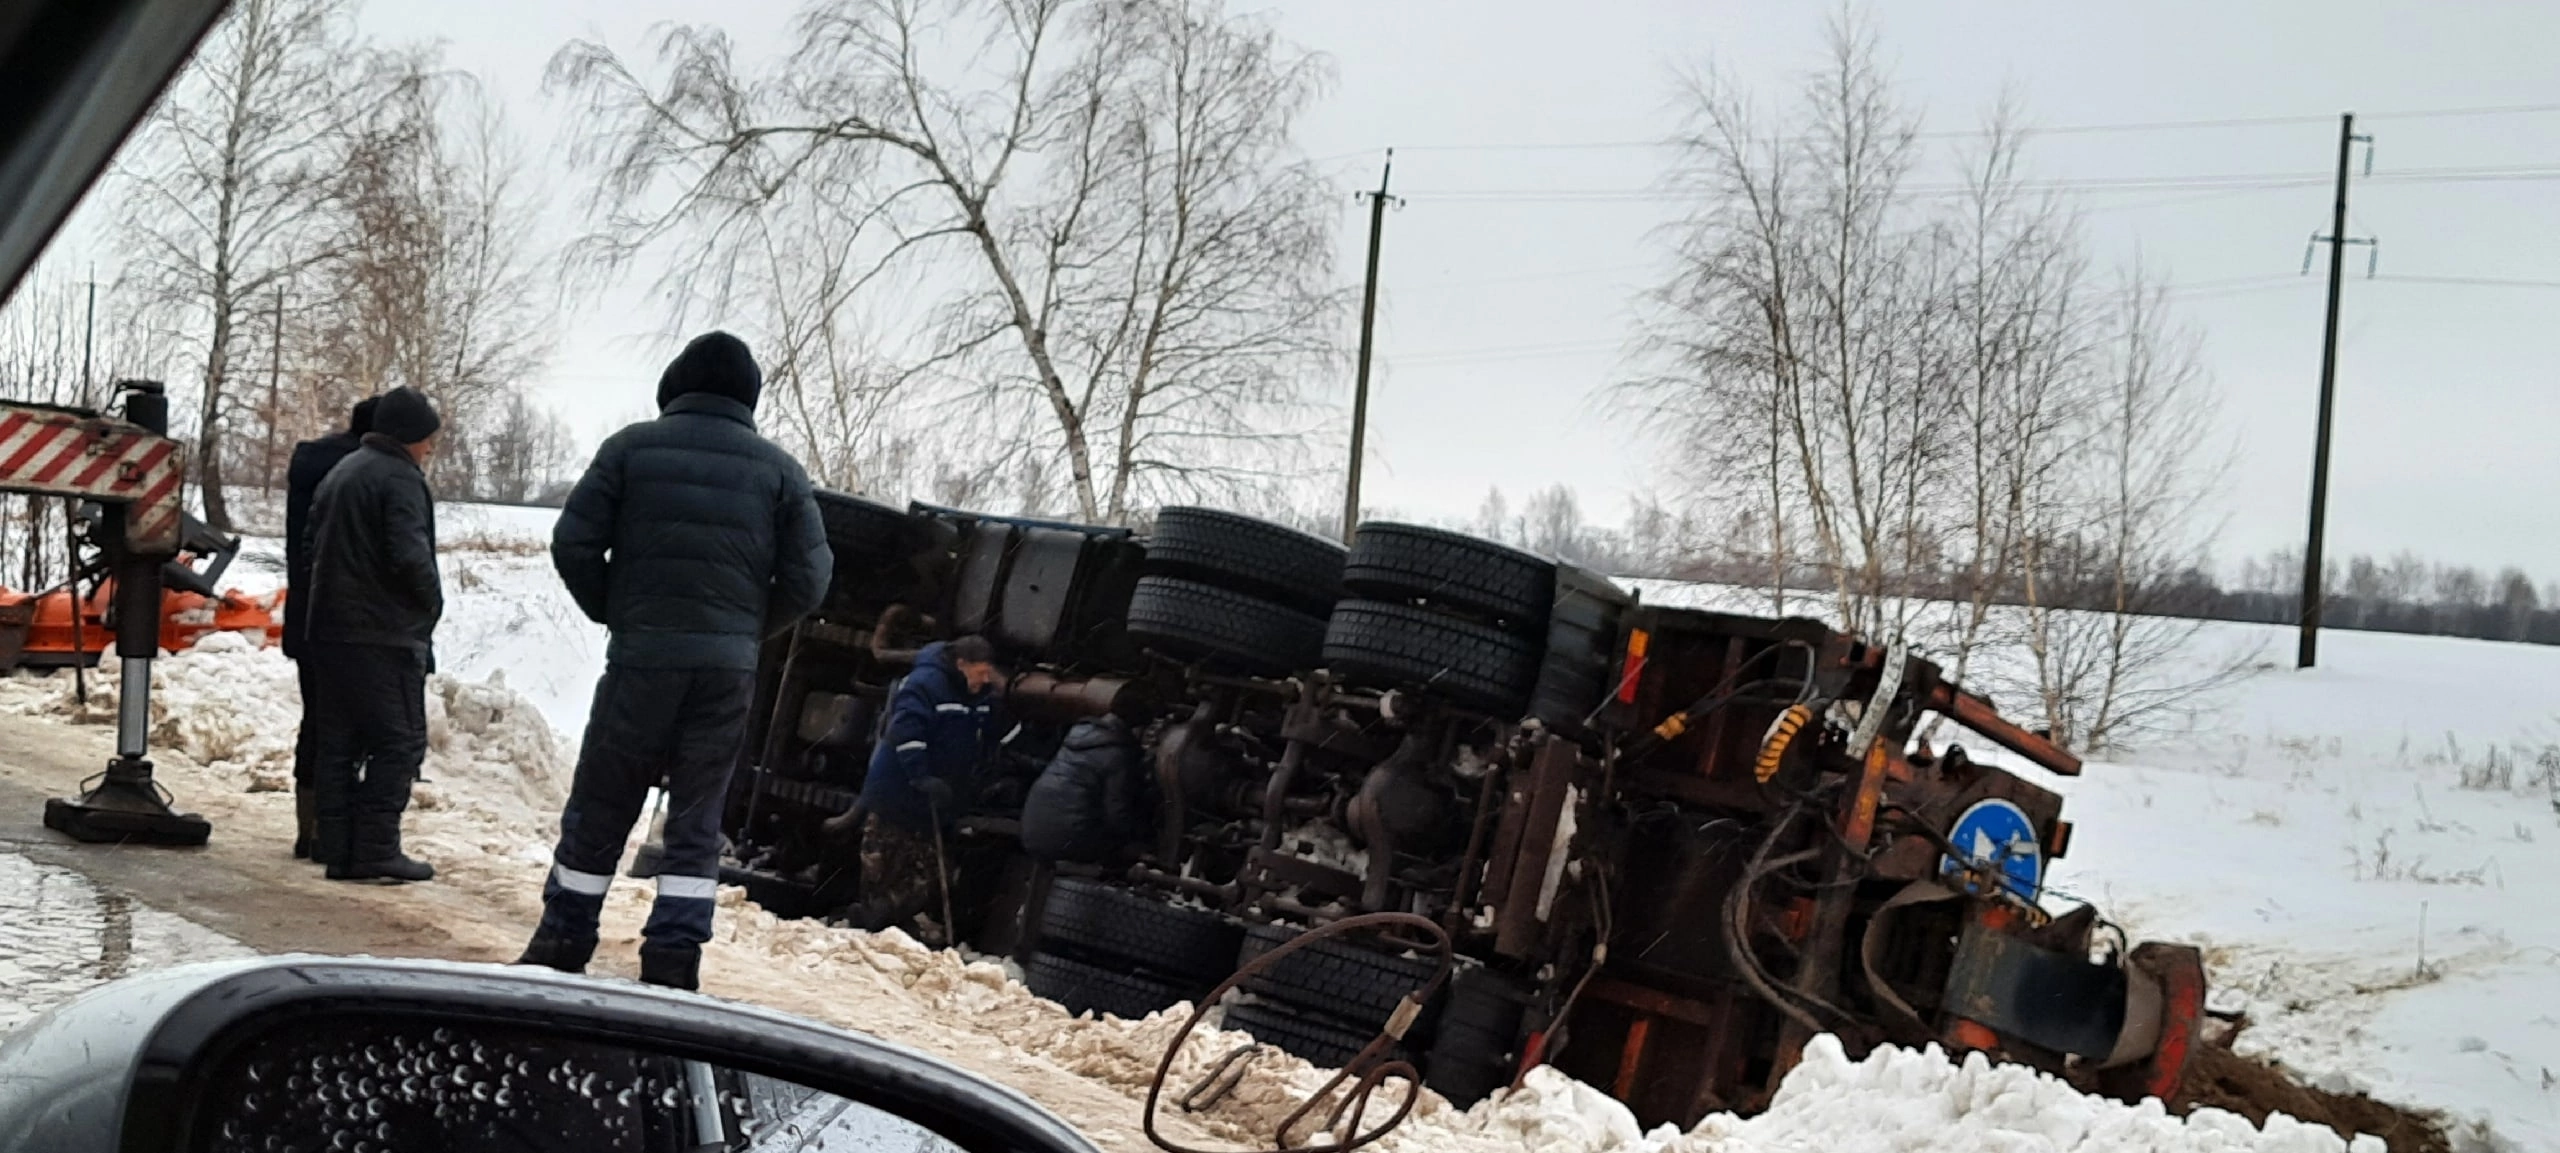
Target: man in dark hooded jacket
[(923, 772), (693, 539), (1093, 798), (312, 460), (370, 643)]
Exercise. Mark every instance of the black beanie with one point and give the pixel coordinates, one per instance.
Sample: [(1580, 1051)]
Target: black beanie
[(716, 363), (405, 415), (360, 418)]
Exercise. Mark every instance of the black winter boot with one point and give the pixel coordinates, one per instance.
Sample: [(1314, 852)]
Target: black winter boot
[(677, 967), (375, 853), (306, 819), (394, 869), (332, 841), (559, 953)]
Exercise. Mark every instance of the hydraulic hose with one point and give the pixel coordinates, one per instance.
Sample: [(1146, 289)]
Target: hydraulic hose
[(1367, 1070)]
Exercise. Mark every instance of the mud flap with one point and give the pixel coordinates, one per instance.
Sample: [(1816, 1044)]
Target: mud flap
[(2175, 976), (2053, 1000), (2142, 1019)]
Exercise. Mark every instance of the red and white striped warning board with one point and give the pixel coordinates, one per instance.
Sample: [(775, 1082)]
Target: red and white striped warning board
[(60, 453)]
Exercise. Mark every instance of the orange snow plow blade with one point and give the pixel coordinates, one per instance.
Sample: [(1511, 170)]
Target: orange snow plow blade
[(51, 630)]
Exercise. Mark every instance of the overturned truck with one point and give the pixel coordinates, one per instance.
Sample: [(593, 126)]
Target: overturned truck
[(1669, 846)]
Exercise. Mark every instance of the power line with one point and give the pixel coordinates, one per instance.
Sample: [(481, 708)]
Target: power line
[(1403, 288), (2485, 110), (2219, 123), (2470, 281), (2194, 182), (1437, 358), (1511, 352), (2231, 286)]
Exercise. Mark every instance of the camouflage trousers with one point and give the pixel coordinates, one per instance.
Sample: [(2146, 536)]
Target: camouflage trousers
[(899, 876)]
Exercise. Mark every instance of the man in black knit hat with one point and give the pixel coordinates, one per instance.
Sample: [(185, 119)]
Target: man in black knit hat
[(693, 539), (312, 460), (375, 601)]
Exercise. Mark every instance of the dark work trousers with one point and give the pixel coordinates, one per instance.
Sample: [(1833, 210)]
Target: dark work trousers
[(303, 761), (366, 724), (646, 725)]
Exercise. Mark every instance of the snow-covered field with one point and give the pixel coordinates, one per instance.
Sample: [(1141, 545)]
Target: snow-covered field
[(2368, 850), (2365, 851), (506, 615)]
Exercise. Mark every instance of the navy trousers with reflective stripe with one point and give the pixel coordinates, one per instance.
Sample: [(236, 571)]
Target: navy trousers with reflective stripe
[(679, 725)]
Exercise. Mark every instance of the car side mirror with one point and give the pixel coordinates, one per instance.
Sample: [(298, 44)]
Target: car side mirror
[(306, 1055)]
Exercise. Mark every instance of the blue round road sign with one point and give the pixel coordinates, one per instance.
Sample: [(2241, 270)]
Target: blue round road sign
[(1997, 834)]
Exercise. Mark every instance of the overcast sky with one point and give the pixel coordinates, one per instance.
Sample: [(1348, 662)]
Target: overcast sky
[(1503, 314)]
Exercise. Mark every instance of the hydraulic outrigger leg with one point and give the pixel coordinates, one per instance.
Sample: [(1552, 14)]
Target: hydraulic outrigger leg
[(132, 468)]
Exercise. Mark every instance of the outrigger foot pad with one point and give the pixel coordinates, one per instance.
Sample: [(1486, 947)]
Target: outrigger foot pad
[(125, 806)]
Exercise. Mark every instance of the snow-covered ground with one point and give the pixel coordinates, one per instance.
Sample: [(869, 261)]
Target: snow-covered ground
[(506, 615), (2368, 851), (2364, 850)]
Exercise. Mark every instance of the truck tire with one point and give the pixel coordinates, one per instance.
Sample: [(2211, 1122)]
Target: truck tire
[(1564, 701), (1336, 980), (1100, 921), (1198, 621), (862, 532), (1471, 1054), (1582, 649), (1411, 562), (1588, 600), (1254, 556), (1082, 988), (1320, 1043), (1466, 662)]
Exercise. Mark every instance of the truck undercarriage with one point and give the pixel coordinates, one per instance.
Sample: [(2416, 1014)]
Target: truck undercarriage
[(1668, 846)]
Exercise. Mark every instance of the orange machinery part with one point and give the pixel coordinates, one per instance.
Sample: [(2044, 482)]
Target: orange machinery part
[(185, 618)]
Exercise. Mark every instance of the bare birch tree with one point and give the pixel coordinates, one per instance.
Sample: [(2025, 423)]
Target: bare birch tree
[(1799, 326), (2025, 368), (2136, 481), (433, 278), (1914, 396), (1101, 202), (228, 189), (1723, 327)]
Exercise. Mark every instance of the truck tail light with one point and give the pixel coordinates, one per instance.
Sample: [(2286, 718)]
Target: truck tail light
[(1634, 668)]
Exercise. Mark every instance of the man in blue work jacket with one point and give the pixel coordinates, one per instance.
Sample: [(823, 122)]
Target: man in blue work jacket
[(923, 773)]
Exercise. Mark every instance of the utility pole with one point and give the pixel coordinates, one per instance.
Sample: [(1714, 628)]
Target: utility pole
[(71, 511), (275, 374), (89, 339), (2337, 240), (1368, 326)]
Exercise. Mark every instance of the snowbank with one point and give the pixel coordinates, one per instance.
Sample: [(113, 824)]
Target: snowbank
[(1894, 1101), (234, 707), (505, 611)]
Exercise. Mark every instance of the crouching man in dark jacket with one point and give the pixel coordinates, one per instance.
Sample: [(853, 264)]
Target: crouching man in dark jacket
[(375, 600), (312, 461), (1093, 800), (923, 772), (692, 539)]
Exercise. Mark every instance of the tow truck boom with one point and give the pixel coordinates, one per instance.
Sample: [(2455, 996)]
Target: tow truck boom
[(136, 473)]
